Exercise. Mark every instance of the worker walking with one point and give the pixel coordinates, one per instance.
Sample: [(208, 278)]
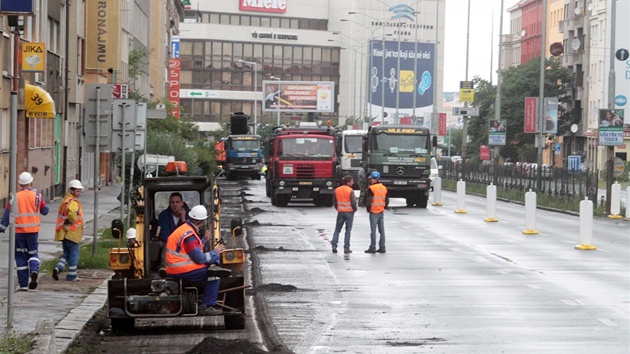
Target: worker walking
[(375, 202), (363, 184), (69, 230), (345, 202), (27, 223)]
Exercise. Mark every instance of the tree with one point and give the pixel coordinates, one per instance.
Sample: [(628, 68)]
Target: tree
[(517, 83)]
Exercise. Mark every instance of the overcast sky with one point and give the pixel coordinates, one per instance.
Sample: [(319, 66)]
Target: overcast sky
[(484, 30)]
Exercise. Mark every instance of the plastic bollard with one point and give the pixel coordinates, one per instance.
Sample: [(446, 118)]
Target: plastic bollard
[(461, 197), (437, 191), (586, 226), (530, 213), (615, 201), (491, 199)]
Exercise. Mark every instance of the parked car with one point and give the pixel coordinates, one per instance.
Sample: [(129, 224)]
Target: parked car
[(435, 170)]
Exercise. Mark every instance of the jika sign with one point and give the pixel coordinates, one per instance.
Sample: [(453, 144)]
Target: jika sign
[(279, 6)]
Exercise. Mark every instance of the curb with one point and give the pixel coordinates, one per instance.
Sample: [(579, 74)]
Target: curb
[(57, 339)]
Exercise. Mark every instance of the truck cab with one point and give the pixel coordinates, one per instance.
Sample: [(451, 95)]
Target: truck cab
[(350, 152)]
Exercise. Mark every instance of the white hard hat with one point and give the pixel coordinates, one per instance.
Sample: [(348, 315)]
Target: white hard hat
[(25, 178), (131, 233), (198, 212), (76, 184)]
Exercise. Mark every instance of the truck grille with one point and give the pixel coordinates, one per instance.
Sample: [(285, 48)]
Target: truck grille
[(305, 171), (404, 171), (243, 160)]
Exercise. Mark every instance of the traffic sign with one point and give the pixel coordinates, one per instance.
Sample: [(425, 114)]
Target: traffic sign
[(466, 111), (203, 94), (622, 54), (102, 117), (574, 162), (618, 167)]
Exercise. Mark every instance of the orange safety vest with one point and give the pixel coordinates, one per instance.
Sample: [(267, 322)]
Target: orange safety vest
[(27, 219), (378, 200), (178, 261), (344, 203), (62, 215)]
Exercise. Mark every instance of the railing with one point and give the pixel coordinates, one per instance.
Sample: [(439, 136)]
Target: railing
[(555, 182)]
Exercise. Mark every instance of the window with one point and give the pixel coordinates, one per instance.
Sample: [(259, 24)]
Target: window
[(5, 125), (40, 133)]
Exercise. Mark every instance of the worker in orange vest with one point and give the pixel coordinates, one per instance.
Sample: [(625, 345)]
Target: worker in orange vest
[(27, 222), (186, 259), (69, 230), (375, 202), (345, 202)]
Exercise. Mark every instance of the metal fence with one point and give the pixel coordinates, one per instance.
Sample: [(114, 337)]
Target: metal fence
[(555, 182)]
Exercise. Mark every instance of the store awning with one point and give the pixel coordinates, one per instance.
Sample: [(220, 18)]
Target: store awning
[(38, 103)]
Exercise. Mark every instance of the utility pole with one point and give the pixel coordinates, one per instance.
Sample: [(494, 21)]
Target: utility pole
[(541, 97), (611, 103), (465, 127), (497, 104)]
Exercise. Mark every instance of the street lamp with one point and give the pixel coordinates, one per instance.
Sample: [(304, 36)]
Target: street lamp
[(277, 99), (255, 64)]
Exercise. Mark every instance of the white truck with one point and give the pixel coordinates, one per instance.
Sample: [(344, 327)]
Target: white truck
[(349, 149)]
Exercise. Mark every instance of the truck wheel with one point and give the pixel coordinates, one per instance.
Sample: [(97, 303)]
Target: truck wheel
[(268, 187), (410, 201), (282, 200), (257, 177), (328, 201), (123, 325), (274, 198), (423, 200), (234, 322)]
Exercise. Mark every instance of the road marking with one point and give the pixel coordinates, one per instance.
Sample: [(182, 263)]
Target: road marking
[(572, 302), (533, 286)]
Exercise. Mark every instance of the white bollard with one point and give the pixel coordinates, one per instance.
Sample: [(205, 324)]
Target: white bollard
[(530, 213), (627, 203), (615, 201), (491, 199), (461, 197), (586, 225), (437, 191)]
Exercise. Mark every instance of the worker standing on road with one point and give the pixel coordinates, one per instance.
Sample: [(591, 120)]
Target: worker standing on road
[(186, 259), (69, 230), (27, 222), (375, 202), (346, 204)]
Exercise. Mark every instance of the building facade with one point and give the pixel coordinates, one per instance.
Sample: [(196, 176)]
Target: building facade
[(226, 46)]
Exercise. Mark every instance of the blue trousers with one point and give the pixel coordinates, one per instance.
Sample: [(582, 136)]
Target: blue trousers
[(377, 221), (210, 291), (69, 258), (343, 218), (26, 257)]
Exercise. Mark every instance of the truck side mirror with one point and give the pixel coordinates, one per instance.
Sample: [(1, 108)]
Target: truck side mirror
[(434, 141)]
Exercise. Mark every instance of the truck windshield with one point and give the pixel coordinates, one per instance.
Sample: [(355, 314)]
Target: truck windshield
[(401, 143), (353, 144), (305, 147), (243, 145)]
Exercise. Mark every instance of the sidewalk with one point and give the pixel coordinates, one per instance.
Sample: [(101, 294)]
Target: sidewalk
[(67, 309)]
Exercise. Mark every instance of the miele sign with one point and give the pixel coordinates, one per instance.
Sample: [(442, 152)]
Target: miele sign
[(279, 6)]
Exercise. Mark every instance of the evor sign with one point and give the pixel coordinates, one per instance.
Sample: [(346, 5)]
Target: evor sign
[(279, 6)]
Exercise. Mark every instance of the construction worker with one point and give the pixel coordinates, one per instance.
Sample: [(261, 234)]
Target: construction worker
[(69, 230), (345, 203), (185, 258), (27, 222), (375, 202)]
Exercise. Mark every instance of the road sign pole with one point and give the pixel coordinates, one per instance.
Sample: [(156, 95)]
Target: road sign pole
[(97, 167)]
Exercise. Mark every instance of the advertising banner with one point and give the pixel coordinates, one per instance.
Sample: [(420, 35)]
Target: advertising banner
[(34, 57), (173, 84), (414, 77), (102, 34), (530, 114), (277, 6), (551, 115), (496, 135), (442, 129), (298, 96), (611, 127), (16, 7)]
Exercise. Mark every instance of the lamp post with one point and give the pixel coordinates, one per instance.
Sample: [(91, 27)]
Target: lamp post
[(277, 99), (255, 65)]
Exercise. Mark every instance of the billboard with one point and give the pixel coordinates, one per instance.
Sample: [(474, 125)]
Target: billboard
[(392, 85), (531, 104), (298, 96), (102, 34), (611, 127), (496, 135), (173, 84), (551, 115)]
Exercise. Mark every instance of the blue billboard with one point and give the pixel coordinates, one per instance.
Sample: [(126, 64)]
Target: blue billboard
[(18, 7), (414, 76)]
